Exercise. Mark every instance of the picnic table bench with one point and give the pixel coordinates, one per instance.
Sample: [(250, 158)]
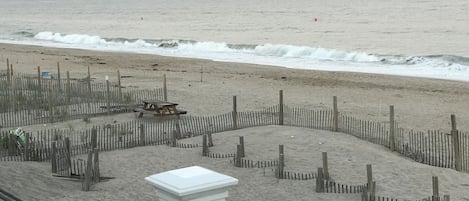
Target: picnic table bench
[(161, 108)]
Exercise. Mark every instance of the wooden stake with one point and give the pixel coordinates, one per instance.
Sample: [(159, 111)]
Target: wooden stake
[(58, 77), (210, 140), (325, 166), (455, 139), (68, 153), (436, 194), (97, 175), (53, 158), (392, 142), (281, 107), (320, 181), (335, 115), (165, 90), (235, 114), (119, 89), (241, 143), (8, 71), (369, 175), (94, 138), (281, 159), (238, 156), (88, 171), (89, 80)]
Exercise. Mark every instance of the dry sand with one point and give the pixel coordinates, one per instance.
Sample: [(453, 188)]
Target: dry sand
[(395, 176), (420, 104)]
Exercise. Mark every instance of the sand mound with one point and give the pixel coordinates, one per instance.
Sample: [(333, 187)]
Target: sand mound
[(395, 176)]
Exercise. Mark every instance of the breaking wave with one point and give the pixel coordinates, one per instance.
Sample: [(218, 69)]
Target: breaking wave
[(291, 56)]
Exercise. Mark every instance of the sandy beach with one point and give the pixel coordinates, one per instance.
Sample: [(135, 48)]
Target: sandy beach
[(204, 87)]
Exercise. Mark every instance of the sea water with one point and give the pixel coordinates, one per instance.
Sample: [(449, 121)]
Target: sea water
[(422, 38)]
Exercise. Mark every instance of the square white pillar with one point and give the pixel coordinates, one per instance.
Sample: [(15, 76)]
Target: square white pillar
[(191, 184)]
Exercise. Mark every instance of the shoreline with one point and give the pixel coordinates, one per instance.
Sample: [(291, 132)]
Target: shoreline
[(420, 103)]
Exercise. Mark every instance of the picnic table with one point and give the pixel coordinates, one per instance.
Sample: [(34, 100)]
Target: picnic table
[(161, 108)]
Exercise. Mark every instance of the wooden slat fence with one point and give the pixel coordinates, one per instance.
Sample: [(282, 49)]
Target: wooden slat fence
[(300, 117), (265, 117), (26, 101), (298, 176), (334, 187), (375, 132), (246, 163), (431, 147)]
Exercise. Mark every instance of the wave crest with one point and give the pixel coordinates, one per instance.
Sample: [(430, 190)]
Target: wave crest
[(272, 50)]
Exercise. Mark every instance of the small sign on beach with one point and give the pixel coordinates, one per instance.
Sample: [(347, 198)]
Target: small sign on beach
[(47, 74)]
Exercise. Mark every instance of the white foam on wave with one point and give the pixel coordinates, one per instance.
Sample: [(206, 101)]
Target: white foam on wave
[(301, 57)]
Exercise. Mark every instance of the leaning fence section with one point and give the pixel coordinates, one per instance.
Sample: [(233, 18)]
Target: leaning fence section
[(375, 132)]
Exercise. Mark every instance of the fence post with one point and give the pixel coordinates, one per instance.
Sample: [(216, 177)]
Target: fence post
[(325, 165), (369, 176), (281, 160), (68, 153), (241, 143), (335, 115), (39, 82), (392, 139), (238, 156), (210, 139), (280, 116), (27, 143), (119, 89), (320, 181), (108, 96), (165, 90), (53, 157), (11, 70), (373, 192), (435, 196), (204, 146), (8, 71), (88, 171), (68, 87), (59, 82), (142, 135), (235, 114), (97, 175), (94, 138), (89, 80), (455, 139)]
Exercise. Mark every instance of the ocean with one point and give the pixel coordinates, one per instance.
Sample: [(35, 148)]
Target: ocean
[(419, 38)]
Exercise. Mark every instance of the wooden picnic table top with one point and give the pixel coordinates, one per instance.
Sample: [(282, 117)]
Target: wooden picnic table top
[(159, 107), (159, 103)]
